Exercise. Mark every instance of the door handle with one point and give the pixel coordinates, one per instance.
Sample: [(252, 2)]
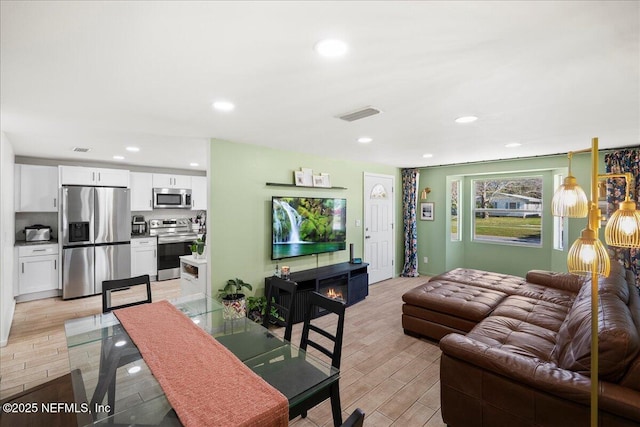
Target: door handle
[(98, 176), (367, 237), (55, 264), (155, 255), (93, 176), (55, 202), (23, 268)]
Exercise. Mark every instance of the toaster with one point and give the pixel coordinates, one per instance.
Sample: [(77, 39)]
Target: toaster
[(37, 233)]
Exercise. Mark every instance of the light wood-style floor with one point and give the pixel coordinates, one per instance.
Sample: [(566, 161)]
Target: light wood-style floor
[(393, 377)]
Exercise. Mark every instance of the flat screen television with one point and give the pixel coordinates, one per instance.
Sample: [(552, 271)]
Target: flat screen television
[(307, 226)]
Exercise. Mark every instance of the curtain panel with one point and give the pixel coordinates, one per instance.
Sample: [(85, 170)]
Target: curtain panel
[(410, 227), (623, 161)]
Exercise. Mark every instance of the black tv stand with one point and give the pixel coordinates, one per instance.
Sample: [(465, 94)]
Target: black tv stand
[(346, 281)]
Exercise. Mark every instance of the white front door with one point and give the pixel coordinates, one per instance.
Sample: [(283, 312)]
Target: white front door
[(379, 226)]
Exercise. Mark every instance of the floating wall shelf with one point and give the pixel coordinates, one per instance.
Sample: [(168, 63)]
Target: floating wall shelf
[(278, 184)]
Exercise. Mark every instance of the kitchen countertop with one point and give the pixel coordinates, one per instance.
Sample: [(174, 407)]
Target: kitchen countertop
[(141, 236), (46, 242)]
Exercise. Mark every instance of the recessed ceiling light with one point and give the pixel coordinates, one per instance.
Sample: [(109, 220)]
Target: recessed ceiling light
[(118, 157), (466, 119), (365, 139), (427, 155), (513, 145), (134, 369), (193, 164), (133, 149), (223, 106), (331, 48)]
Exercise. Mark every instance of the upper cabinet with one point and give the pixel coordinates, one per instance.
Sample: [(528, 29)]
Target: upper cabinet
[(198, 193), (36, 188), (162, 180), (141, 191), (79, 175)]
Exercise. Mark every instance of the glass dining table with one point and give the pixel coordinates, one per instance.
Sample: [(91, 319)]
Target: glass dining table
[(131, 395)]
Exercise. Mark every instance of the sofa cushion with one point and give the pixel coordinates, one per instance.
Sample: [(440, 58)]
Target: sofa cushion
[(457, 299), (565, 281), (552, 295), (485, 279), (535, 311), (515, 336), (618, 337)]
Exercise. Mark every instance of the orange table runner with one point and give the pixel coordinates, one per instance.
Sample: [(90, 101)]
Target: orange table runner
[(204, 382)]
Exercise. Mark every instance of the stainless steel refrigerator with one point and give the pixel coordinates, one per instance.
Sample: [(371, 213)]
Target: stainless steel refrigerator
[(96, 238)]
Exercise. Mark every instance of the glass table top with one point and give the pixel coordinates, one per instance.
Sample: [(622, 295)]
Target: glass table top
[(94, 342)]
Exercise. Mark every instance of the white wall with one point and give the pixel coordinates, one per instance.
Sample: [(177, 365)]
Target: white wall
[(7, 238)]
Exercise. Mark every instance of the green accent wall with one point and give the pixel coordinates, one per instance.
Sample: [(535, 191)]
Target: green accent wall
[(434, 239), (239, 214)]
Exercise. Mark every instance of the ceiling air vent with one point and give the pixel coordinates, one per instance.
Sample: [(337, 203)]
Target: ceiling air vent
[(359, 114), (81, 149)]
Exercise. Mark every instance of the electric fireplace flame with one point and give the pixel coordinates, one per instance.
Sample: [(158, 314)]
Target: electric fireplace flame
[(332, 293)]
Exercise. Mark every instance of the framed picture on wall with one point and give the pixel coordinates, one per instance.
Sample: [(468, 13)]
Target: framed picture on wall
[(426, 211)]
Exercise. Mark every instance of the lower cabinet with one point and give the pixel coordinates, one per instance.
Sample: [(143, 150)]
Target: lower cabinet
[(37, 271), (144, 257), (193, 275)]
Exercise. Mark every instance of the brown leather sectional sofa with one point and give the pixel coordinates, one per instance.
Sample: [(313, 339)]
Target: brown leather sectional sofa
[(516, 351)]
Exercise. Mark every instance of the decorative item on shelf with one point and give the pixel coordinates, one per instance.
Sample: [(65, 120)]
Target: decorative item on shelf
[(326, 179), (233, 300), (307, 174), (588, 256), (426, 211), (284, 272), (298, 178), (197, 249), (425, 193)]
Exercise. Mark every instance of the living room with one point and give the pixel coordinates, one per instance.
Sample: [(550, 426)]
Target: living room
[(536, 95)]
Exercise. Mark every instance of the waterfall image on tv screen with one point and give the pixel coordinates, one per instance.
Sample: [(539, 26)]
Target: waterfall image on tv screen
[(306, 226)]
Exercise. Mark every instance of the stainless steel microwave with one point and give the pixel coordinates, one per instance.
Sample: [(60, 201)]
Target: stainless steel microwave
[(172, 198)]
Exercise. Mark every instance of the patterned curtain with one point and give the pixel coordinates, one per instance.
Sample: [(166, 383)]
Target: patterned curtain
[(409, 208), (623, 161)]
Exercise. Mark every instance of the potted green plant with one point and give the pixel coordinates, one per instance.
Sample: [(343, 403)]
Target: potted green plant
[(197, 248), (233, 299), (257, 309)]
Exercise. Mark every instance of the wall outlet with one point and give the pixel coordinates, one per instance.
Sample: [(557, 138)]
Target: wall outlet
[(358, 223), (425, 259)]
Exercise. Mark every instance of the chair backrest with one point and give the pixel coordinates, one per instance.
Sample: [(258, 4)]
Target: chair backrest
[(356, 419), (318, 301), (109, 286), (285, 306)]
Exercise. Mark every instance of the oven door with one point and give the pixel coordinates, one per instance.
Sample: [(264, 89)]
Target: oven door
[(169, 259)]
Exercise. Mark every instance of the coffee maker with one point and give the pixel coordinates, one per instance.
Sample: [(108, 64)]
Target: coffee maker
[(138, 225)]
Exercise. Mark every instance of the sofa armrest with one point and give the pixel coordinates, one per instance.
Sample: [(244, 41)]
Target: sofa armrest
[(532, 372), (564, 281)]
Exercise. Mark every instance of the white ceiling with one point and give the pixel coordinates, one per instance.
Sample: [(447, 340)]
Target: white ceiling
[(104, 75)]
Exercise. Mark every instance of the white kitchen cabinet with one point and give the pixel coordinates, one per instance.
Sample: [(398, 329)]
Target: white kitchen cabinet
[(80, 175), (193, 276), (37, 268), (198, 193), (141, 191), (36, 188), (144, 257), (162, 180)]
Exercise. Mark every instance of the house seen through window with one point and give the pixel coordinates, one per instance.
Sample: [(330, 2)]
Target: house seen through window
[(508, 210)]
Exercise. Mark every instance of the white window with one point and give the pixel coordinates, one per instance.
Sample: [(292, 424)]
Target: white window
[(508, 210)]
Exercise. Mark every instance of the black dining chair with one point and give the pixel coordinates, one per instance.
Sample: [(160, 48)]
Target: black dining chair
[(116, 351), (318, 303), (281, 296), (109, 286), (356, 419)]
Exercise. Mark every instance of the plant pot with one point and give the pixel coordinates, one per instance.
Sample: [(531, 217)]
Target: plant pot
[(235, 307)]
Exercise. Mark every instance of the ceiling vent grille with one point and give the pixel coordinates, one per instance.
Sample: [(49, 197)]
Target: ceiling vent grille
[(81, 149), (359, 114)]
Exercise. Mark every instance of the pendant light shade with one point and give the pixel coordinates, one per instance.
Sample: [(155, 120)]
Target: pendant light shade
[(587, 253), (570, 200), (623, 228)]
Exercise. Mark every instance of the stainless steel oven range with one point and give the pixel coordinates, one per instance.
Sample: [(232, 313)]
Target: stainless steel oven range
[(174, 240)]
